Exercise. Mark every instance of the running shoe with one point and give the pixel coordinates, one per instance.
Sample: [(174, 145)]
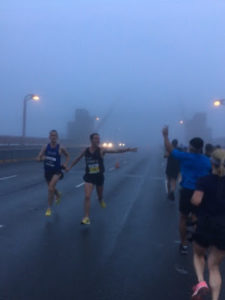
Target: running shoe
[(103, 204), (58, 199), (201, 289), (85, 221), (48, 212), (183, 249)]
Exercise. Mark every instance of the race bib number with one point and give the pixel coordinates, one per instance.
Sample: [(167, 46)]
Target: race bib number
[(94, 169), (50, 161), (50, 158)]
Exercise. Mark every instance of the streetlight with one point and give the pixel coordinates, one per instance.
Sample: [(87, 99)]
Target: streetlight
[(27, 98), (97, 119), (181, 122), (219, 102)]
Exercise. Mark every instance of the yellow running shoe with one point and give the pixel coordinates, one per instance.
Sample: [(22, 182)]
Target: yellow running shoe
[(85, 221), (103, 204), (58, 199), (48, 212)]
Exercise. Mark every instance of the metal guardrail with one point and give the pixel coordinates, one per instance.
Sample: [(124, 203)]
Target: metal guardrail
[(15, 154), (14, 148), (6, 140), (18, 141)]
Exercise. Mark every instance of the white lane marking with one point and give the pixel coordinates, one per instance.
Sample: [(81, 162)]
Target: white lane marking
[(111, 169), (1, 226), (8, 177), (79, 185)]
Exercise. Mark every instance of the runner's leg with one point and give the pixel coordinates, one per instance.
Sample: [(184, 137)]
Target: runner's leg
[(173, 183), (88, 188), (183, 229), (171, 188), (168, 184), (215, 281), (199, 261), (99, 190), (57, 193), (52, 189)]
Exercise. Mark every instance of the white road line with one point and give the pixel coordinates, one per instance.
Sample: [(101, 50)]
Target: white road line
[(1, 226), (79, 185), (8, 177), (111, 169)]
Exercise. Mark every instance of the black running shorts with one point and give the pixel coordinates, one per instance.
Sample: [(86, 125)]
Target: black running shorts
[(50, 174), (185, 205), (210, 232), (96, 179)]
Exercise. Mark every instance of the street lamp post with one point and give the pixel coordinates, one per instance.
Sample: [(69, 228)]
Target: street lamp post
[(26, 99)]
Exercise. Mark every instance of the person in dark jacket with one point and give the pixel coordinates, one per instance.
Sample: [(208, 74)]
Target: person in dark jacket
[(209, 196), (172, 171)]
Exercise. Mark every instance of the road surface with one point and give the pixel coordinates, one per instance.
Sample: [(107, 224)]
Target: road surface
[(130, 251)]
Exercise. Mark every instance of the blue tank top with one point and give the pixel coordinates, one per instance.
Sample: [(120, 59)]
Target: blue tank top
[(52, 160)]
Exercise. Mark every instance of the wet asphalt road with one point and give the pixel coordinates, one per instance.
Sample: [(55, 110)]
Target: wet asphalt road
[(130, 251)]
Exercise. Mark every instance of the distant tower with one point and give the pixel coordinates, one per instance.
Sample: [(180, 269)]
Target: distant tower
[(81, 127), (197, 127)]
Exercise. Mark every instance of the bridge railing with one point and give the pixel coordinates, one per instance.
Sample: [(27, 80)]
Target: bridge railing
[(14, 148), (18, 140)]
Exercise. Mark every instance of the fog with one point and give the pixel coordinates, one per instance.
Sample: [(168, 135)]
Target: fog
[(148, 62)]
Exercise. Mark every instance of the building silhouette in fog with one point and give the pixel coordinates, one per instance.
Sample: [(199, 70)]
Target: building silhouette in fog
[(81, 127), (197, 127)]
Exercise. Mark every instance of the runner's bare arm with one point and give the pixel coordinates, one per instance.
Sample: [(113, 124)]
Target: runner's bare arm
[(168, 145), (166, 155), (197, 198), (76, 160), (66, 154), (40, 156), (111, 151)]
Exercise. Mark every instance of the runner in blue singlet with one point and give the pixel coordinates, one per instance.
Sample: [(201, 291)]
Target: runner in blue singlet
[(51, 154)]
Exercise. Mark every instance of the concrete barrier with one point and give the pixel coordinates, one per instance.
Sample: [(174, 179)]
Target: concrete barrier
[(20, 154)]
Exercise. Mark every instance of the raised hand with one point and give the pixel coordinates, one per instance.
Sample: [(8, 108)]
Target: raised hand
[(165, 131)]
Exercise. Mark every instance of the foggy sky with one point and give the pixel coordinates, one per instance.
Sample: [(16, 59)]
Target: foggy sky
[(157, 61)]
